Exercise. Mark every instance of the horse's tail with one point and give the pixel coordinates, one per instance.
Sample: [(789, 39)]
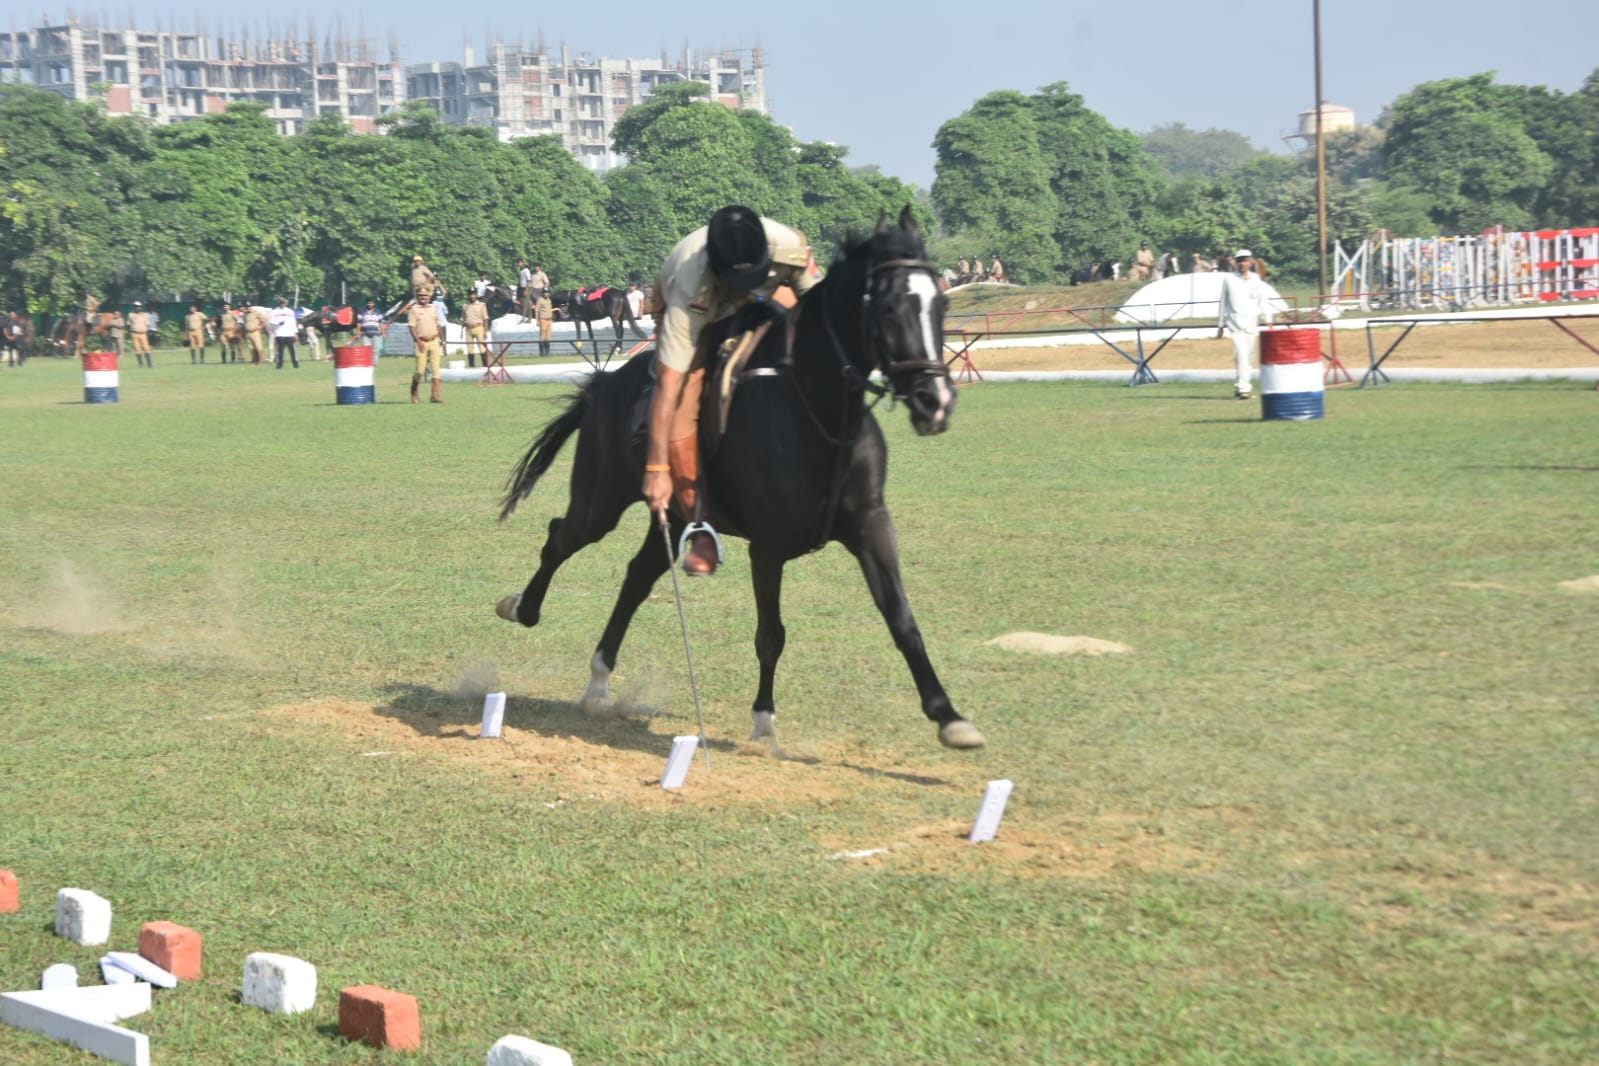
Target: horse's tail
[(627, 309), (541, 454)]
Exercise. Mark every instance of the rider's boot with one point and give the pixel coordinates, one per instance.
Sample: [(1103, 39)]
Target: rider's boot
[(699, 557), (436, 397)]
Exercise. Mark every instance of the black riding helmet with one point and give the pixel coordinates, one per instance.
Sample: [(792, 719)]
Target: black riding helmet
[(735, 245)]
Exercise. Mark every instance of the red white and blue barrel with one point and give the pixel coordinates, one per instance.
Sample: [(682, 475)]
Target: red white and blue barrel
[(99, 377), (1291, 383), (352, 374)]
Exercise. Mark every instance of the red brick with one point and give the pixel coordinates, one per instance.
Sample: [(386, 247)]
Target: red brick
[(380, 1017), (173, 948), (10, 900)]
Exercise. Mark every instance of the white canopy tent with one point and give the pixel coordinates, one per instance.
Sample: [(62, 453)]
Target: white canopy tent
[(1181, 296)]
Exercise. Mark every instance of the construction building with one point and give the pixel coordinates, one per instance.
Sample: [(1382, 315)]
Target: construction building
[(521, 92), (170, 76)]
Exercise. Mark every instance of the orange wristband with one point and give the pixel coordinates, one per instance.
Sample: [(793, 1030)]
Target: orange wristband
[(657, 468)]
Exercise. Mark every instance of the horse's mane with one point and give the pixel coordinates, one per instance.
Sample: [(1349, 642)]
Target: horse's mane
[(886, 242)]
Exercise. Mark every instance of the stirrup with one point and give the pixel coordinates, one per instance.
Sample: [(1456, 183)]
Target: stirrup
[(689, 531)]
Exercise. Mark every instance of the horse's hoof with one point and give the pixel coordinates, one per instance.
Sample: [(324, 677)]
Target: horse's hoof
[(960, 734), (508, 605), (765, 725)]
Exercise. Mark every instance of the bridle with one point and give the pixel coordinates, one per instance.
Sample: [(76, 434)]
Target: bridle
[(853, 377), (857, 381)]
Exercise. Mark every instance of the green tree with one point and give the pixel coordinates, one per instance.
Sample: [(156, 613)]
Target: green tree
[(1463, 143), (992, 188), (1185, 153)]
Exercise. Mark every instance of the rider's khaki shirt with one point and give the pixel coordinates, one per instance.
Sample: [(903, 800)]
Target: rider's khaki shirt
[(694, 299)]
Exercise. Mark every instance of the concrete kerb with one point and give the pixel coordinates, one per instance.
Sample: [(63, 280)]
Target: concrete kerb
[(577, 373)]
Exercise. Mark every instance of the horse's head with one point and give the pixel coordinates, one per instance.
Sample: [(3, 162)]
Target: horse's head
[(902, 319)]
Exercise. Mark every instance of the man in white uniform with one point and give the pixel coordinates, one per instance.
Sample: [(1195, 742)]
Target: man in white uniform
[(737, 259), (1241, 308)]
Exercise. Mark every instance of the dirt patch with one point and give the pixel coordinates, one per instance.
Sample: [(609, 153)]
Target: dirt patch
[(620, 759), (1095, 851), (1582, 584), (1050, 644), (1519, 344)]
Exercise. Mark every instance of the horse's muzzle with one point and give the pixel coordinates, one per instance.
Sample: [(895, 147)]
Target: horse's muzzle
[(932, 403)]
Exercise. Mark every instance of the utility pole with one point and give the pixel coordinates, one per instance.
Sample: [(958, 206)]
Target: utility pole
[(1321, 165)]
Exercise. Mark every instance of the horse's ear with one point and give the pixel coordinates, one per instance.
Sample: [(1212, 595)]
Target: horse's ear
[(882, 220), (907, 222)]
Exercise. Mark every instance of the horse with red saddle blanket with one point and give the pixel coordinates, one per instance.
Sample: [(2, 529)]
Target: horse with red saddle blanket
[(588, 306)]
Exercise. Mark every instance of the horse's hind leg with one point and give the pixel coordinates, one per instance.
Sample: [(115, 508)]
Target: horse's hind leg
[(646, 567)]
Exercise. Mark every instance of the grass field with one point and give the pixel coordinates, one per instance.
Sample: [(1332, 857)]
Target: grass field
[(1336, 805)]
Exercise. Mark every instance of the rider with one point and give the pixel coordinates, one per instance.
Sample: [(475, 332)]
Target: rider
[(736, 260)]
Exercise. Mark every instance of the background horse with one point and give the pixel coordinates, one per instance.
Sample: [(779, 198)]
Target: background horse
[(585, 308), (502, 301), (72, 333), (802, 461)]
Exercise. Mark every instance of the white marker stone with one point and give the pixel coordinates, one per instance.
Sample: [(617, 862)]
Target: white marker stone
[(143, 968), (678, 762), (84, 1018), (493, 714), (61, 975), (279, 984), (112, 974), (82, 917), (992, 810), (520, 1051)]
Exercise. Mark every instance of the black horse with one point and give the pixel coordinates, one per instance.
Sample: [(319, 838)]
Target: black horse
[(584, 307), (802, 461), (502, 301)]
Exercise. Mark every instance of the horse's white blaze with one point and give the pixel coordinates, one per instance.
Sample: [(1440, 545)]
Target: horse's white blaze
[(925, 289), (598, 694)]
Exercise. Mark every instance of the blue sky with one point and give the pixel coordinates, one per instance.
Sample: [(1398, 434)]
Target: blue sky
[(882, 77)]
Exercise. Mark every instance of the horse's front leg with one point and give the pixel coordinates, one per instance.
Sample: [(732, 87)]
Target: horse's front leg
[(766, 573), (876, 547), (646, 567)]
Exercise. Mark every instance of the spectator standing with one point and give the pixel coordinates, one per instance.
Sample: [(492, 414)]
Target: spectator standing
[(546, 316), (476, 319), (424, 283), (426, 333), (15, 333), (139, 326), (482, 285), (194, 331), (371, 324), (228, 329), (537, 286), (1241, 309), (1143, 263), (524, 289), (284, 330)]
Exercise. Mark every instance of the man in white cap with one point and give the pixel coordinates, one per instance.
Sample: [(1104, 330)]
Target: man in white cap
[(1241, 309), (737, 259)]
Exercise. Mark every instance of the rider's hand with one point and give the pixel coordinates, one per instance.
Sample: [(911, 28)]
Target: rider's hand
[(657, 490)]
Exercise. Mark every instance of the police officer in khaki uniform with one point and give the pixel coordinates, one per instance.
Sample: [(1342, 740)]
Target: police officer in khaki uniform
[(424, 283), (427, 334), (255, 321), (139, 326), (476, 319), (227, 333), (194, 332), (713, 272), (545, 309)]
